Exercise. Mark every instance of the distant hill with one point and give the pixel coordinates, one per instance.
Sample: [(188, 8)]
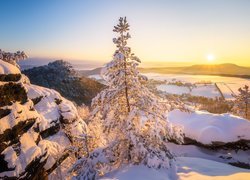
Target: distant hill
[(204, 69), (60, 75), (217, 69)]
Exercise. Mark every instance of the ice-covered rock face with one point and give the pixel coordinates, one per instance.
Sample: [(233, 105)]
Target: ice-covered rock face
[(33, 120)]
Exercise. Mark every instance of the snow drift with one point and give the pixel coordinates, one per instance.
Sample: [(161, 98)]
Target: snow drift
[(208, 128)]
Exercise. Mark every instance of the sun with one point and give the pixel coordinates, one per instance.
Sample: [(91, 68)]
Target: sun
[(210, 58)]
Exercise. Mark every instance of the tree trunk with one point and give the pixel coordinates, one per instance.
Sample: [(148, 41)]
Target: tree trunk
[(126, 86), (246, 110)]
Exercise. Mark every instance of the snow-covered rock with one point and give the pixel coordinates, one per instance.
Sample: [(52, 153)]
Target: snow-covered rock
[(208, 128), (7, 68), (32, 126)]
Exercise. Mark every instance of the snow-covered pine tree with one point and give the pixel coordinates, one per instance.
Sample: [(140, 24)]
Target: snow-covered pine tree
[(242, 102), (12, 58), (128, 123)]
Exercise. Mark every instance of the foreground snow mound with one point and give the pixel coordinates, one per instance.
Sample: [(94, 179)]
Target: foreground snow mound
[(36, 127), (208, 128), (7, 68), (187, 168)]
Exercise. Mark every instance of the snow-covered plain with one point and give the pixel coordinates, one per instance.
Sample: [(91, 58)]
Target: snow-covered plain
[(197, 78), (173, 89), (227, 85), (208, 91)]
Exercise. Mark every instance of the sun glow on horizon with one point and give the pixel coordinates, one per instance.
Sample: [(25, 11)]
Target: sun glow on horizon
[(210, 58)]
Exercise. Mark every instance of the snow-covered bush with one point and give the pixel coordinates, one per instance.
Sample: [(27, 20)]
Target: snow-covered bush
[(128, 124), (13, 58), (83, 111)]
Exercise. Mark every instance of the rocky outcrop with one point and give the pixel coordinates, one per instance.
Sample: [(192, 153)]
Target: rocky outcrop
[(33, 122), (60, 75)]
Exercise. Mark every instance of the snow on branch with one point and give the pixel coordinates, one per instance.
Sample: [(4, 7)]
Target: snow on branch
[(13, 58)]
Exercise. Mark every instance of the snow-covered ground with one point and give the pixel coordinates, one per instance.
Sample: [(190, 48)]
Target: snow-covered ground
[(187, 168), (208, 90), (198, 168), (192, 163)]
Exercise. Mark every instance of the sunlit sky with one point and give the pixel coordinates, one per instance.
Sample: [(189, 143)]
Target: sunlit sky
[(193, 31)]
